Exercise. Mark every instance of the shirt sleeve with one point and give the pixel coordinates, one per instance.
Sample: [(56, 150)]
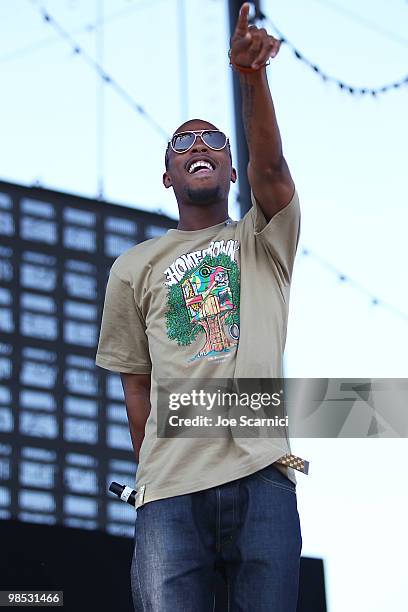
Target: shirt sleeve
[(123, 344), (279, 236)]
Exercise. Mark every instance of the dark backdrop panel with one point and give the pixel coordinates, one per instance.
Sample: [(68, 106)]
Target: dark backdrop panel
[(93, 568), (64, 434)]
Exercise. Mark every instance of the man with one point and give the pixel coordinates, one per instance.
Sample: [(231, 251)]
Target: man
[(210, 300)]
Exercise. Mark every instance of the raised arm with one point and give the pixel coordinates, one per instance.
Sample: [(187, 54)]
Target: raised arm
[(136, 388), (268, 172)]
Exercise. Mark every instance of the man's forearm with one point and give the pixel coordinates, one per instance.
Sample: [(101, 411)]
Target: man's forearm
[(268, 173), (138, 410), (136, 388), (260, 123), (137, 434)]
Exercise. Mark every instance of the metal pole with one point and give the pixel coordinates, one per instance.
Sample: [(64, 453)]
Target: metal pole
[(100, 101), (244, 197), (183, 60)]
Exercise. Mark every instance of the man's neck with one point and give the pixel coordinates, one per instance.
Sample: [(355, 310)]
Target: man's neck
[(196, 217)]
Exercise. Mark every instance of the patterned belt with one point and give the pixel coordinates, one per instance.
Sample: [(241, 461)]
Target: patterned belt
[(294, 462)]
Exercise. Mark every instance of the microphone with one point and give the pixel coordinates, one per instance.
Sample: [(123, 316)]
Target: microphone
[(124, 493)]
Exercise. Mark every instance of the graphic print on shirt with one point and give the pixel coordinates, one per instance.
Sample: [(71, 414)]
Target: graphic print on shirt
[(203, 299)]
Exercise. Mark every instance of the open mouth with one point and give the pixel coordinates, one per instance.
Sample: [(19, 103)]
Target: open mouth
[(201, 166)]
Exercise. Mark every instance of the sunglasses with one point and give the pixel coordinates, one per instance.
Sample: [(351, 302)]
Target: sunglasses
[(183, 141)]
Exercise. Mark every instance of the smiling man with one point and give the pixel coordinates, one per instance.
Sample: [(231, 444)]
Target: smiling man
[(209, 300)]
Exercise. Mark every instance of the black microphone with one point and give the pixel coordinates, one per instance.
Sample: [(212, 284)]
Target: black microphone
[(124, 493)]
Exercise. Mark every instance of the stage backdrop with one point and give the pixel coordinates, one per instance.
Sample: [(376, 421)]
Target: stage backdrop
[(63, 428)]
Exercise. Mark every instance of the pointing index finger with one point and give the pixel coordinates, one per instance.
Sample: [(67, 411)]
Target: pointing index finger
[(242, 23)]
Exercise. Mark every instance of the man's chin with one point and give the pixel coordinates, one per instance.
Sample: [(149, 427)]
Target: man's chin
[(203, 195)]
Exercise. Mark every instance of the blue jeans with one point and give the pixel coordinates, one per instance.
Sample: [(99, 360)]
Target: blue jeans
[(248, 527)]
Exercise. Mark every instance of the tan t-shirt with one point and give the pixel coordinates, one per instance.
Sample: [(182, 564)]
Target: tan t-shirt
[(202, 304)]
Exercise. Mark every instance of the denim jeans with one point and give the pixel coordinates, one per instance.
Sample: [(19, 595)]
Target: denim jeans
[(248, 527)]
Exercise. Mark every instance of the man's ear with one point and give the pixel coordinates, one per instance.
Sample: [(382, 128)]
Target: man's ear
[(167, 182), (233, 175)]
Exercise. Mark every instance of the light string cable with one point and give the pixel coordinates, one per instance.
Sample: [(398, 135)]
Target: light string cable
[(375, 300), (87, 28), (351, 89), (102, 73), (344, 278), (364, 21)]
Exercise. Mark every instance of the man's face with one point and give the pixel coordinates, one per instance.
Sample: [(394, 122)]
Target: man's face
[(202, 186)]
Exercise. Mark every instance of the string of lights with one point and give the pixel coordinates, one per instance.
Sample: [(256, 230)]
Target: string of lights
[(374, 299), (363, 21), (345, 279), (107, 78), (87, 28), (351, 89)]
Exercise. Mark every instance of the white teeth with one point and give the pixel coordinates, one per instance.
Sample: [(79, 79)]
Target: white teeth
[(200, 164)]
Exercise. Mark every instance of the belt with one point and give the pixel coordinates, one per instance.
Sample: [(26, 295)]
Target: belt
[(301, 465)]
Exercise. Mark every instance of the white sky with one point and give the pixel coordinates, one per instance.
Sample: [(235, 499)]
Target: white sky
[(348, 159)]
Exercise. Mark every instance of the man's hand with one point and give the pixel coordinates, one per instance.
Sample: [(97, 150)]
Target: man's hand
[(251, 46)]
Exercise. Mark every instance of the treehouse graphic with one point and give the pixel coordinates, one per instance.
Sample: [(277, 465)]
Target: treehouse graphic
[(208, 299)]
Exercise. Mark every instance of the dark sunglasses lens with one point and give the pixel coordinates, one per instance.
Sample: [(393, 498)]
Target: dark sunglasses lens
[(215, 140), (182, 142)]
